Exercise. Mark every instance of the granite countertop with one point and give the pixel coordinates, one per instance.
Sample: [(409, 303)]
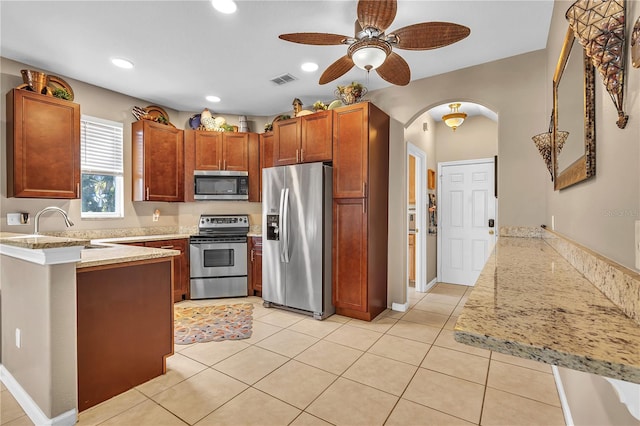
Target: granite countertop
[(530, 302), (141, 238), (255, 231), (109, 254)]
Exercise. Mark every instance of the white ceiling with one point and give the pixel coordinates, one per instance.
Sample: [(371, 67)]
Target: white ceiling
[(185, 50)]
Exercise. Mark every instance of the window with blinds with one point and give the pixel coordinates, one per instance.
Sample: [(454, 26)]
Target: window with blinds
[(102, 171)]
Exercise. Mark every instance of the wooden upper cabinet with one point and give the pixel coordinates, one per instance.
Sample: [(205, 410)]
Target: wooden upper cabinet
[(351, 151), (266, 150), (286, 141), (317, 136), (208, 150), (43, 146), (220, 150), (305, 139), (255, 187), (235, 151), (158, 162)]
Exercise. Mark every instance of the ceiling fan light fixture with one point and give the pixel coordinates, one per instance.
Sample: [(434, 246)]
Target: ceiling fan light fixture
[(455, 118), (224, 6), (369, 54)]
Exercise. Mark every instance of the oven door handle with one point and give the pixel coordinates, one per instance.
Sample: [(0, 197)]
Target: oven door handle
[(284, 225)]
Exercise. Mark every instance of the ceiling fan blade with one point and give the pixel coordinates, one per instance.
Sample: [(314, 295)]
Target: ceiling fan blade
[(321, 39), (377, 13), (336, 69), (429, 35), (395, 70)]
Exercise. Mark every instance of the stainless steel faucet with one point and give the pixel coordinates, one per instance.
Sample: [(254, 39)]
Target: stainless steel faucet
[(67, 222)]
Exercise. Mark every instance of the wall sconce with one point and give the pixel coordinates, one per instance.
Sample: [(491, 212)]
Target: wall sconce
[(455, 118), (599, 27), (543, 143)]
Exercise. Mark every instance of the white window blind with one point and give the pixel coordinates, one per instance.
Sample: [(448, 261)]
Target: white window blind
[(101, 146)]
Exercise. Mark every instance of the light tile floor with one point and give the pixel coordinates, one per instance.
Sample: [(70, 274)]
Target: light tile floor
[(400, 369)]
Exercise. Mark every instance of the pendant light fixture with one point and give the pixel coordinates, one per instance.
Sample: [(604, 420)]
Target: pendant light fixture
[(455, 118)]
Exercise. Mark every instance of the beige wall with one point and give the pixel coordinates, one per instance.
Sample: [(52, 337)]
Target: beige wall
[(476, 138), (601, 212), (45, 364)]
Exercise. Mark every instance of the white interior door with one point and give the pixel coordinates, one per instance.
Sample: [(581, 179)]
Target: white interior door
[(467, 207)]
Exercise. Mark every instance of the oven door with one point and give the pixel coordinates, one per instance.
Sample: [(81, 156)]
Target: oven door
[(218, 259)]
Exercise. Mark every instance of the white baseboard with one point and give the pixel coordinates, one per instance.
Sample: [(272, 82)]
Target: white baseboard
[(564, 403), (431, 284), (68, 418), (400, 307)]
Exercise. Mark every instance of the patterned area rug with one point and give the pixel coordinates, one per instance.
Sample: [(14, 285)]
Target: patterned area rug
[(212, 323)]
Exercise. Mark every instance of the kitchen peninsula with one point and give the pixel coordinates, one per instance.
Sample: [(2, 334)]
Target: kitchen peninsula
[(116, 299)]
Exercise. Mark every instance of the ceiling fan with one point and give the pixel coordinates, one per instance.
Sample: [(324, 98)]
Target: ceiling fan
[(371, 48)]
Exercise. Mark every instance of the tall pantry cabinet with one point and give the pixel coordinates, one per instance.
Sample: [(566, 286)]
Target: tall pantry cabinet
[(360, 210)]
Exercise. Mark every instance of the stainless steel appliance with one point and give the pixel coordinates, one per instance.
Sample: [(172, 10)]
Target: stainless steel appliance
[(218, 255), (220, 185), (297, 223)]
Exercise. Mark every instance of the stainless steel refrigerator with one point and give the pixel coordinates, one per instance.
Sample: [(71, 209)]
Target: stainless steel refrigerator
[(296, 243)]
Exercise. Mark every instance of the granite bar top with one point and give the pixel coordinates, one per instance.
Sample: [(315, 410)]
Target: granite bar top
[(530, 302), (141, 238), (36, 242)]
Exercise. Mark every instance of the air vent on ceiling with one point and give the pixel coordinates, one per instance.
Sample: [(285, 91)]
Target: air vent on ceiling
[(283, 79)]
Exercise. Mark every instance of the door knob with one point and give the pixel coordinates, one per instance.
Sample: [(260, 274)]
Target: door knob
[(490, 231)]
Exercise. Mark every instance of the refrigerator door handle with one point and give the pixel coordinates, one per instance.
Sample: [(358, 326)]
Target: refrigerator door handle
[(281, 225), (285, 255)]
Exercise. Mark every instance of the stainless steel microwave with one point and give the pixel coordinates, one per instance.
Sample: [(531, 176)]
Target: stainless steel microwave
[(220, 185)]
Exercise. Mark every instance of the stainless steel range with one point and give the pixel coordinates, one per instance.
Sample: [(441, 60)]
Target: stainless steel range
[(218, 255)]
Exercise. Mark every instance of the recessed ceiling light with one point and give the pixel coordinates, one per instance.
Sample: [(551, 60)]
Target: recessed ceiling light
[(122, 63), (309, 66), (213, 98), (224, 6)]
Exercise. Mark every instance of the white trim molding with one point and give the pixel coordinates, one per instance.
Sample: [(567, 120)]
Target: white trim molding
[(68, 418)]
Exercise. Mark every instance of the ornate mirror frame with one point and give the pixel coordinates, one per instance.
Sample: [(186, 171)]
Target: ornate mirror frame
[(585, 166)]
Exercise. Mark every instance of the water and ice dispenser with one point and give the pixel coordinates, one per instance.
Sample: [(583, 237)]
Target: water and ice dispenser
[(273, 231)]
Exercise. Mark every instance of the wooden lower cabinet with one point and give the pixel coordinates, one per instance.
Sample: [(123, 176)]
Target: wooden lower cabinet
[(125, 327), (255, 266), (181, 275), (359, 265), (180, 265)]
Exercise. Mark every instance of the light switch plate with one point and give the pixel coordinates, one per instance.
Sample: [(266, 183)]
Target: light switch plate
[(637, 244)]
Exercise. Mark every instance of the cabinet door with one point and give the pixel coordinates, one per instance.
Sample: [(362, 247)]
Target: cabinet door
[(286, 142), (235, 149), (163, 162), (266, 150), (317, 137), (43, 146), (255, 270), (208, 146), (180, 265), (254, 168), (350, 254), (350, 151)]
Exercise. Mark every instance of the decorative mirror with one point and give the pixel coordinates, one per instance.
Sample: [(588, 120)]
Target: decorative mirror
[(573, 112)]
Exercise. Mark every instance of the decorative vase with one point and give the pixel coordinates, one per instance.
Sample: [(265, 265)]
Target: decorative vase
[(37, 81)]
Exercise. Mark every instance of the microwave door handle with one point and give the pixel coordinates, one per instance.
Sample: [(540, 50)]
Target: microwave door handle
[(285, 222)]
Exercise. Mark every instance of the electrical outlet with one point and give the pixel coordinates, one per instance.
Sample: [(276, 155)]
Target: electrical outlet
[(156, 215), (18, 338), (553, 223), (17, 218)]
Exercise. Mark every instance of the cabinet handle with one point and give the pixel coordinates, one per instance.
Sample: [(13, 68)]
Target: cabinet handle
[(297, 157), (252, 252), (166, 247), (78, 190), (219, 164), (364, 189), (147, 194), (302, 155), (364, 206), (225, 165)]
